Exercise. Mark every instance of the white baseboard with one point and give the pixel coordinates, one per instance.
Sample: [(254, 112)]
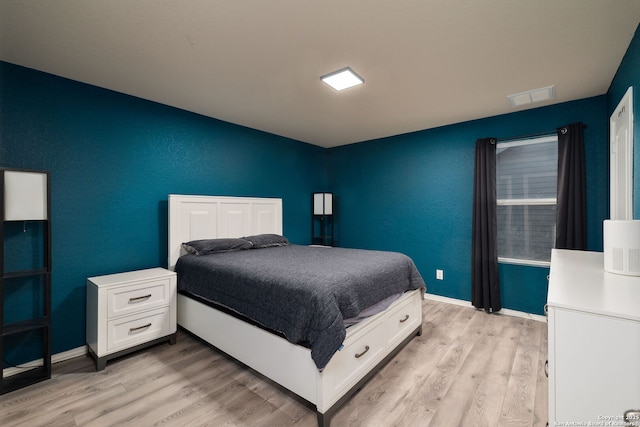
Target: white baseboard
[(58, 357), (504, 311)]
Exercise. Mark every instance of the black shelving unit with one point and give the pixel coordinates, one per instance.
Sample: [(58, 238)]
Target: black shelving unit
[(322, 230), (322, 219), (34, 333)]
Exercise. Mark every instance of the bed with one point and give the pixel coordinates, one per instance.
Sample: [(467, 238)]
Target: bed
[(325, 377)]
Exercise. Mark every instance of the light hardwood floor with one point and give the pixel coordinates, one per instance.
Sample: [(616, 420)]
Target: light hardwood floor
[(468, 368)]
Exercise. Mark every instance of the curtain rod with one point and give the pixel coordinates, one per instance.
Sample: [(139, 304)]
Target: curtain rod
[(532, 135)]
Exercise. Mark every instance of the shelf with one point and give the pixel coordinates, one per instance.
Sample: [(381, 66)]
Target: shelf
[(23, 379), (325, 241), (25, 326), (25, 273)]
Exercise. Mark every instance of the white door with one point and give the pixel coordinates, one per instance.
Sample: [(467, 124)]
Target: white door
[(621, 143)]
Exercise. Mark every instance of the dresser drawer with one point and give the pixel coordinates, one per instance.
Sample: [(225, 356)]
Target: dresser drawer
[(403, 319), (133, 298), (355, 358), (131, 330)]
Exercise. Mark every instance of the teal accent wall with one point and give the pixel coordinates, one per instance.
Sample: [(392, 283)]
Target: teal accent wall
[(628, 75), (413, 193), (114, 159)]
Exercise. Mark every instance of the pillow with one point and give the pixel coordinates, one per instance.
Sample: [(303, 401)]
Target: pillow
[(267, 240), (212, 246)]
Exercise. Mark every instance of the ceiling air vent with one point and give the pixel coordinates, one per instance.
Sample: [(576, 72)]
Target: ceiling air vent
[(531, 96)]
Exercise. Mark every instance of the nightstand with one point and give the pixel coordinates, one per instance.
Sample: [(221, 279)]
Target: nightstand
[(129, 311)]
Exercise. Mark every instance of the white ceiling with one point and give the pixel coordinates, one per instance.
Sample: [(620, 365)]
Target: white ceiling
[(258, 63)]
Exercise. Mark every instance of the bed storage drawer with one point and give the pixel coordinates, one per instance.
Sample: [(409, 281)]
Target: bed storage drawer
[(128, 331), (367, 344), (403, 318), (133, 298), (356, 357)]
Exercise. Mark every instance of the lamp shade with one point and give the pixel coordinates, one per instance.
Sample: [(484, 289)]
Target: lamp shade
[(323, 203), (25, 195)]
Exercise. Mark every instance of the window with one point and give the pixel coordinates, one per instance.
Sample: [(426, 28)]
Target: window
[(526, 190)]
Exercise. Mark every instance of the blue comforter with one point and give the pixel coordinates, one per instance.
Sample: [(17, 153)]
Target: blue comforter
[(303, 292)]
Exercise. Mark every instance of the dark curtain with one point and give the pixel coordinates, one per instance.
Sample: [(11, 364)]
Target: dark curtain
[(571, 221), (485, 288)]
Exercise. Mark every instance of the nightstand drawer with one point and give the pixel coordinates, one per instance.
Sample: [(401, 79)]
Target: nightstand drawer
[(134, 298), (136, 329)]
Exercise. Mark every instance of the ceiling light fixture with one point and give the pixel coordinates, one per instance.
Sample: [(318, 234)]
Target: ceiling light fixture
[(531, 96), (342, 79)]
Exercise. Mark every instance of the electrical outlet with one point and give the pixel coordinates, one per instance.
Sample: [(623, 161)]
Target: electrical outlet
[(440, 274)]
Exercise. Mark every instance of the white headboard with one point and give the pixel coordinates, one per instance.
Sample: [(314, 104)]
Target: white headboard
[(211, 217)]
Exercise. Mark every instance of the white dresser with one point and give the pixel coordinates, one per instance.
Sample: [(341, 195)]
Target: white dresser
[(129, 311), (594, 341)]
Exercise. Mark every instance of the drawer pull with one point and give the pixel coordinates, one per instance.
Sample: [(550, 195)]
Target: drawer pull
[(136, 299), (137, 328), (406, 317), (546, 368), (359, 355)]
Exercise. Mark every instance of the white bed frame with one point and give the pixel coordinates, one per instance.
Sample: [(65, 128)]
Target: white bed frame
[(368, 345)]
